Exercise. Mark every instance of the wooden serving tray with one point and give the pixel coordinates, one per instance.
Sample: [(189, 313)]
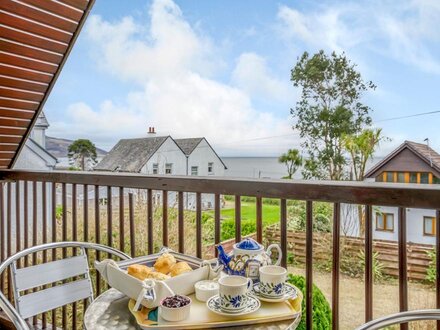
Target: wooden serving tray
[(201, 317)]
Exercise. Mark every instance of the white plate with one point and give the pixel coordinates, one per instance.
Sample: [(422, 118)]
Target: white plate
[(213, 305), (289, 293)]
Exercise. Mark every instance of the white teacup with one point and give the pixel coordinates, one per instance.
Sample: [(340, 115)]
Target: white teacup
[(272, 281), (233, 293)]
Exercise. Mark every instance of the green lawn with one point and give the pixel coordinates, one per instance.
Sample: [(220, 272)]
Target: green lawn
[(271, 215)]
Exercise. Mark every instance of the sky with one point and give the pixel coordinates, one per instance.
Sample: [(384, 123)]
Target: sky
[(221, 69)]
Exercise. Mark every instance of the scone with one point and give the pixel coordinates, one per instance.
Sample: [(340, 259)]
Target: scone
[(164, 263), (157, 276), (180, 268), (139, 271)]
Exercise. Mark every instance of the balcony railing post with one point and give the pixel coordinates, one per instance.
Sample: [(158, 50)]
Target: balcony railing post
[(150, 220), (132, 230), (181, 222), (2, 233), (74, 238), (259, 215), (109, 218), (199, 225), (217, 225), (283, 231), (368, 263), (121, 220), (335, 265), (26, 219), (64, 238), (309, 265), (437, 261), (237, 218), (54, 239), (403, 276), (97, 237), (165, 218), (17, 221)]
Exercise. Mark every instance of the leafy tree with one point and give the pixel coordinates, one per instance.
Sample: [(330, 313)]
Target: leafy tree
[(329, 109), (361, 148), (82, 153), (293, 160)]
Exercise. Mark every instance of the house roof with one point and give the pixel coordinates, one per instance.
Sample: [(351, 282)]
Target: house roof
[(130, 155), (423, 151), (36, 38), (188, 145), (41, 152)]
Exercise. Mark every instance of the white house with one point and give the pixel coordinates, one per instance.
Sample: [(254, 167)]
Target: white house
[(34, 155), (411, 162), (163, 155)]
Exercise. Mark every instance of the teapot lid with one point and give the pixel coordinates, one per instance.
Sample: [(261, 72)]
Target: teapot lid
[(248, 244)]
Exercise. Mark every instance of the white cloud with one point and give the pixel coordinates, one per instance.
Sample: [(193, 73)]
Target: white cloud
[(405, 31), (171, 63), (324, 28), (252, 75)]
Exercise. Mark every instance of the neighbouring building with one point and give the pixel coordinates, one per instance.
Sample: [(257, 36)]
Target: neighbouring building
[(34, 155), (163, 155), (411, 162)]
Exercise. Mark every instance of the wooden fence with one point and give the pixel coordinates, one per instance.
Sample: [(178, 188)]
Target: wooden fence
[(418, 259)]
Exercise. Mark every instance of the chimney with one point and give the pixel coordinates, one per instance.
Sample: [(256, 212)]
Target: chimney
[(151, 131)]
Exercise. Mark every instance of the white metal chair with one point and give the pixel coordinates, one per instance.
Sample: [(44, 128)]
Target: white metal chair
[(402, 317), (74, 268)]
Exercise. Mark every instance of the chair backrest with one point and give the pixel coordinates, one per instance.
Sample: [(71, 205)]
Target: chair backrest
[(76, 284), (69, 277)]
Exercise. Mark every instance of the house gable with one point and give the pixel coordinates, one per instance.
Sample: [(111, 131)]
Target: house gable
[(404, 159), (167, 153)]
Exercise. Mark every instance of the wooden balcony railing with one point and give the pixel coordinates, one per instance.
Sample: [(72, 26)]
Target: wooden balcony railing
[(34, 195)]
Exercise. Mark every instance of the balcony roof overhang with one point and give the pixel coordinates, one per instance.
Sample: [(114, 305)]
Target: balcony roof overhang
[(36, 38)]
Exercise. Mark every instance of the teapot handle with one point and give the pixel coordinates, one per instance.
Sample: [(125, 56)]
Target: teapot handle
[(280, 253)]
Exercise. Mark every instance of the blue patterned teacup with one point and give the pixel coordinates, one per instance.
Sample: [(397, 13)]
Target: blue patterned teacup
[(233, 293), (272, 281)]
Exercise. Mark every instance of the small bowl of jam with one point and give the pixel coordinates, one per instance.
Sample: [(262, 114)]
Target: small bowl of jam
[(175, 308)]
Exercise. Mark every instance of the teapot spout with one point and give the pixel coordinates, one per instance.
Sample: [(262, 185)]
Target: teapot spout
[(222, 256)]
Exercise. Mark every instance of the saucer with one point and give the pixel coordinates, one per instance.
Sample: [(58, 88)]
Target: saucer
[(213, 305), (289, 293)]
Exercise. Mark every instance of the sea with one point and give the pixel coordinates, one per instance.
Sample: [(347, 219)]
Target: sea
[(255, 167), (264, 167)]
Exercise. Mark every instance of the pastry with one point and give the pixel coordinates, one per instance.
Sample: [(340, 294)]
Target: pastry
[(164, 263), (179, 268), (157, 276), (139, 271)]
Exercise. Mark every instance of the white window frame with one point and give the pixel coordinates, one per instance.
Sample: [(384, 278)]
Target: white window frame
[(155, 168), (196, 170), (210, 168), (169, 168)]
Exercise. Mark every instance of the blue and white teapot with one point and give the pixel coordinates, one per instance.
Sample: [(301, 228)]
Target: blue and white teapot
[(247, 257)]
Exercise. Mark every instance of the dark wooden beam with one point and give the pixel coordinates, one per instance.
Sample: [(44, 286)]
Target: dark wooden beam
[(370, 193)]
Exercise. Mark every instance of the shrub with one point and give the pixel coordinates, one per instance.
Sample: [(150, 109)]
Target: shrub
[(377, 265), (322, 215), (322, 315), (431, 272)]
